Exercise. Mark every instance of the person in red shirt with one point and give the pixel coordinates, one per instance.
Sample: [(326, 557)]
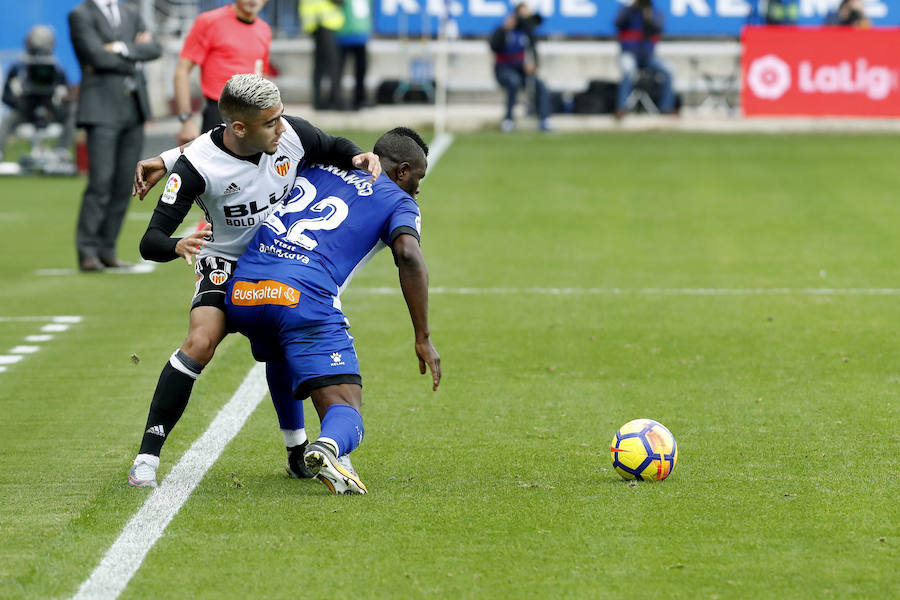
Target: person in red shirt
[(223, 42)]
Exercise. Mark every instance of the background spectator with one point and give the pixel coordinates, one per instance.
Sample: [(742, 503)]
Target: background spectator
[(223, 42), (639, 27), (36, 92), (850, 13), (110, 41), (516, 61), (321, 19), (352, 39)]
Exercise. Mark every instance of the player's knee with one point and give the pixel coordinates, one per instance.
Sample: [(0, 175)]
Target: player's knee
[(200, 346)]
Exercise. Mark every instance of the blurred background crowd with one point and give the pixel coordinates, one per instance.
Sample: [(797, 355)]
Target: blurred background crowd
[(530, 60)]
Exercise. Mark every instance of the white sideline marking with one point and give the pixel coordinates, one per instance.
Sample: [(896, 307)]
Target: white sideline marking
[(38, 338), (580, 291), (53, 319), (57, 323), (145, 266), (68, 319), (438, 146), (125, 556), (24, 349)]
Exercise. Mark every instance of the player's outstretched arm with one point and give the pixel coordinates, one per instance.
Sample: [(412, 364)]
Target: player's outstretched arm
[(414, 283), (146, 174), (149, 171)]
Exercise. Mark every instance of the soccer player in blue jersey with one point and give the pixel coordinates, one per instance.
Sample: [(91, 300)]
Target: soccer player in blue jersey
[(285, 292)]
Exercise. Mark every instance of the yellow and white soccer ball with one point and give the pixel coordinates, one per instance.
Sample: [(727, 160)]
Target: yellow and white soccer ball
[(644, 450)]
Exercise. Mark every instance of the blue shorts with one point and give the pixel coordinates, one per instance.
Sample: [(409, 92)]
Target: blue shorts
[(311, 336)]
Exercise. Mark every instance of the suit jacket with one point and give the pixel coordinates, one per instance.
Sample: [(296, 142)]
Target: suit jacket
[(106, 77)]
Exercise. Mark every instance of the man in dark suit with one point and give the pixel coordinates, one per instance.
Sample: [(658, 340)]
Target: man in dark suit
[(110, 41)]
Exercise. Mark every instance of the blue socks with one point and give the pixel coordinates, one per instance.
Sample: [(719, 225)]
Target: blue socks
[(342, 425), (288, 409)]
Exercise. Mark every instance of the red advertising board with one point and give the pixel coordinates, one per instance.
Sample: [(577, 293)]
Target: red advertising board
[(830, 71)]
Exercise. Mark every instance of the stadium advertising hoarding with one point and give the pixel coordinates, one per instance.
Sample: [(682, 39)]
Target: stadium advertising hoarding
[(595, 17), (795, 71)]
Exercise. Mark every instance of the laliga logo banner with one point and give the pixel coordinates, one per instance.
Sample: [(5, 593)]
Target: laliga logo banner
[(821, 72)]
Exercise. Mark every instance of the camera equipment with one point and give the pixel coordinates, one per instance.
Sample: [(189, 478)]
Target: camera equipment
[(529, 22)]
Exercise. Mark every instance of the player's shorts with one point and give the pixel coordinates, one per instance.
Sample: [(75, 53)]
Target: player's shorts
[(284, 324), (213, 272)]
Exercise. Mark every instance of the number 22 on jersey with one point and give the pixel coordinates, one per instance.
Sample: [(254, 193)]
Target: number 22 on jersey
[(328, 214)]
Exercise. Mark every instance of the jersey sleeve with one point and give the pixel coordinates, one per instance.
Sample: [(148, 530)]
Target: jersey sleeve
[(196, 44), (183, 187), (319, 147), (405, 219)]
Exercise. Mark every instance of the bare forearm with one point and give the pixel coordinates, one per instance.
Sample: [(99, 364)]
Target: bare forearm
[(183, 86), (414, 284)]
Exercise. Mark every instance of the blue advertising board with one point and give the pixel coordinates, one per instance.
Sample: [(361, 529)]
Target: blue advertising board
[(595, 17)]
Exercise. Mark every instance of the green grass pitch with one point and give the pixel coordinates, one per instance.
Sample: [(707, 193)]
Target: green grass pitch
[(726, 286)]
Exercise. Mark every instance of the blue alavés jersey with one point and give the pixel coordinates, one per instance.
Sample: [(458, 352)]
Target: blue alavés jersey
[(328, 227)]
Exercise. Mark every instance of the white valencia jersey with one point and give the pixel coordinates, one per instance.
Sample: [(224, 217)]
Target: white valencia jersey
[(236, 193)]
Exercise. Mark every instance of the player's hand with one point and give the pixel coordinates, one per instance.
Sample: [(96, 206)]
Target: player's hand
[(429, 356), (189, 131), (370, 162), (143, 37), (147, 173), (190, 245)]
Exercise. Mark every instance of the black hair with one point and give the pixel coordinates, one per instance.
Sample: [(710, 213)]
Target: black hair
[(400, 145)]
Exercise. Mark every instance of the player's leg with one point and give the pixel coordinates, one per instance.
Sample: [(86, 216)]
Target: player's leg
[(173, 390), (290, 418), (315, 340), (260, 324), (341, 432), (206, 329)]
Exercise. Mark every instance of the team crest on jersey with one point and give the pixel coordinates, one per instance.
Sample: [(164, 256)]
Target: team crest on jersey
[(218, 277), (282, 165), (173, 184)]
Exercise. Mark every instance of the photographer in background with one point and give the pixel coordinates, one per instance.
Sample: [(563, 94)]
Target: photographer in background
[(850, 13), (639, 27), (515, 67), (36, 92)]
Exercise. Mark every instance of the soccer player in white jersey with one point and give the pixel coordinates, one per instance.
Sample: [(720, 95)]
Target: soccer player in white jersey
[(284, 294), (237, 173)]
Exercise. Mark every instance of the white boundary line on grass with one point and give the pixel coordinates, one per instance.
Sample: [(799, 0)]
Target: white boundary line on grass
[(57, 324), (124, 557), (438, 146), (588, 291)]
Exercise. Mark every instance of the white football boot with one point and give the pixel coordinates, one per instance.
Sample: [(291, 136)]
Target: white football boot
[(337, 474), (143, 471)]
